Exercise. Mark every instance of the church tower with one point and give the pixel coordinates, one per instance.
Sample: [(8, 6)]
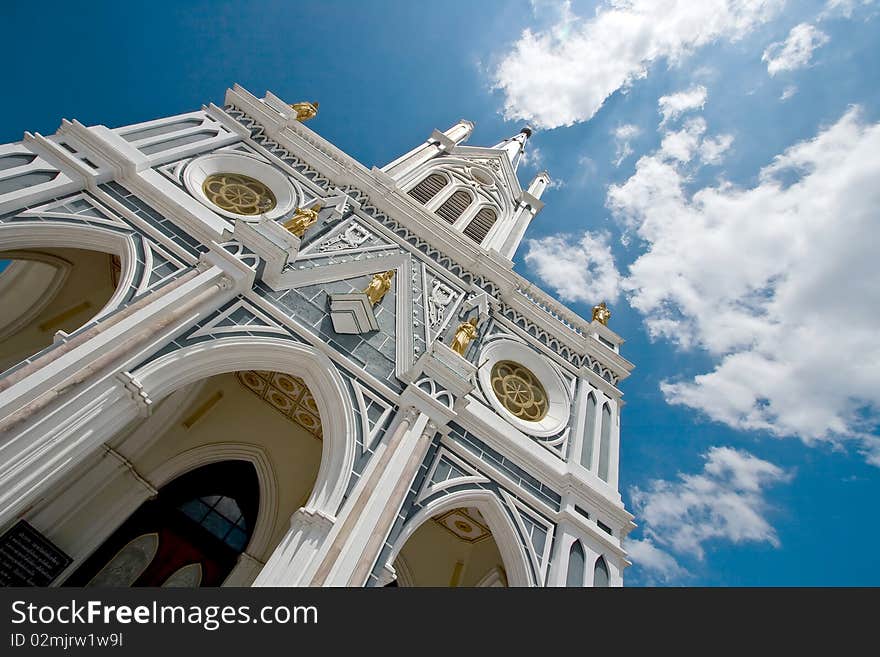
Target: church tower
[(233, 355)]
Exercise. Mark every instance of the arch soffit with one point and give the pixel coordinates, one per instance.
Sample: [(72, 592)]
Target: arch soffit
[(505, 535), (175, 370), (41, 234)]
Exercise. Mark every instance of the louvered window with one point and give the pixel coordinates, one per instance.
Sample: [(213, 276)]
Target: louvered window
[(454, 206), (480, 225), (428, 188)]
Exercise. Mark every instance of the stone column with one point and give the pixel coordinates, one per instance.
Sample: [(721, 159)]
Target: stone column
[(355, 550), (378, 491), (414, 453)]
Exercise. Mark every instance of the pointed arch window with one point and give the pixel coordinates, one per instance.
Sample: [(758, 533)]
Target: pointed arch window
[(600, 574), (128, 564), (190, 534), (428, 188), (16, 160), (481, 224), (589, 430), (185, 577), (605, 443), (576, 563), (453, 207), (221, 516)]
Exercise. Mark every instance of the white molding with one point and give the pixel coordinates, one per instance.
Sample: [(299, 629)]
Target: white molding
[(267, 515), (428, 489), (504, 533), (371, 436), (212, 328), (540, 561), (180, 368), (559, 399)]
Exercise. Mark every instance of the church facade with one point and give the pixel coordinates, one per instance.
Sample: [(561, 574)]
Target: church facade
[(233, 355)]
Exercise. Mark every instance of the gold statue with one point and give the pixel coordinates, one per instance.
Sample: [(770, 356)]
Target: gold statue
[(465, 332), (377, 288), (305, 111), (601, 314), (302, 219)]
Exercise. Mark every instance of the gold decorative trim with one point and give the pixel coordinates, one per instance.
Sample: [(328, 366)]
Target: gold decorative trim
[(238, 194), (519, 391), (464, 518), (287, 394)]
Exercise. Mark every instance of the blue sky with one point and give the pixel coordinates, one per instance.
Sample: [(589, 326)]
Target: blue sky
[(714, 168)]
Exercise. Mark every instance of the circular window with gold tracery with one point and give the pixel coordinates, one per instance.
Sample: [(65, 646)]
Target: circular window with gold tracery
[(519, 391), (238, 193)]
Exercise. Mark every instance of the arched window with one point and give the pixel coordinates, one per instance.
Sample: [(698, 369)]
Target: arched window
[(454, 206), (24, 180), (605, 443), (16, 160), (589, 429), (576, 562), (185, 577), (221, 516), (428, 188), (480, 225), (191, 534), (129, 563), (600, 573)]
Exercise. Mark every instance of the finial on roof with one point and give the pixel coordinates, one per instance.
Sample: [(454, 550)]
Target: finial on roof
[(515, 146)]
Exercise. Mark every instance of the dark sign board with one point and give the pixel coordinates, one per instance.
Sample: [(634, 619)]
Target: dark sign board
[(27, 558)]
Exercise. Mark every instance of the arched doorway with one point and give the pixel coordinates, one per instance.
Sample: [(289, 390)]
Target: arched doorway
[(455, 549), (466, 538), (190, 535), (232, 398), (265, 423), (46, 290)]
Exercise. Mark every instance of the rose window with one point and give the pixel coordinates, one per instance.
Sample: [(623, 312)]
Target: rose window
[(519, 391), (238, 193)]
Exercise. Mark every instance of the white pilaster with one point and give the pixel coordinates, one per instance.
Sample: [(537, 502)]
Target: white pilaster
[(292, 561)]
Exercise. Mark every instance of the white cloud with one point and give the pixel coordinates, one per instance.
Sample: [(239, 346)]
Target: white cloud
[(788, 92), (682, 144), (623, 134), (723, 502), (531, 158), (713, 148), (674, 105), (656, 564), (578, 268), (562, 75), (844, 8), (778, 283), (796, 51)]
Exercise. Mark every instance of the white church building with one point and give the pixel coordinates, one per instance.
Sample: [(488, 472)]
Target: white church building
[(233, 355)]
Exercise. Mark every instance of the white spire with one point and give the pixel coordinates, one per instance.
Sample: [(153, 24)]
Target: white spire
[(515, 146)]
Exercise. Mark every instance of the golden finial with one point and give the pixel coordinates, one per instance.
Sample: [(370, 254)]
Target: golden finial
[(377, 288), (601, 314), (305, 110), (302, 219), (465, 332)]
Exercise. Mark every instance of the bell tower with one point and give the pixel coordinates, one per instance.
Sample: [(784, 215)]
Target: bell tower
[(473, 188)]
